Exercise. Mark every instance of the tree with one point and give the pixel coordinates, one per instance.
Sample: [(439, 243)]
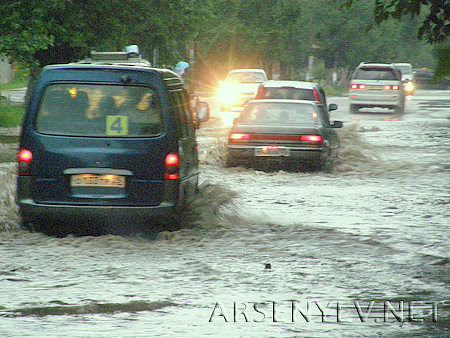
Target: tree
[(228, 33), (435, 26), (436, 15), (41, 32)]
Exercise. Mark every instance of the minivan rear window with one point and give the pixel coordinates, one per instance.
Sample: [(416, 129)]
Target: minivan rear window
[(245, 77), (288, 93), (99, 110), (279, 113), (375, 74)]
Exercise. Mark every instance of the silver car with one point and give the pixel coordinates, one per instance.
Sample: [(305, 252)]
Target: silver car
[(376, 85)]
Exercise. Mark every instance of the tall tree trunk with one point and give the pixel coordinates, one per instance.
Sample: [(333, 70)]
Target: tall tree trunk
[(344, 76), (34, 74), (284, 71), (269, 70)]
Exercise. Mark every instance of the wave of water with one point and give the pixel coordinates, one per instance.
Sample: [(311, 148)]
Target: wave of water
[(210, 209), (356, 154), (9, 218), (92, 308)]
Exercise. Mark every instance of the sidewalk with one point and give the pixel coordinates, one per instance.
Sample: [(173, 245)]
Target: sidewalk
[(14, 95)]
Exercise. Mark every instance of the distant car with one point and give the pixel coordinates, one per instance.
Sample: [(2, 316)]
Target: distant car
[(423, 75), (107, 143), (239, 87), (295, 90), (282, 131), (407, 77), (376, 85)]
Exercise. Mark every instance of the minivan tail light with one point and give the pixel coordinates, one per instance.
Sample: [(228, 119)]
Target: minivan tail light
[(311, 138), (172, 166), (24, 159)]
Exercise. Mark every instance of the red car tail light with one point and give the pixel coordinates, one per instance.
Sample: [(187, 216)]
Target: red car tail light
[(24, 159), (316, 95), (311, 138), (238, 137), (391, 87), (259, 93), (172, 165), (358, 86)]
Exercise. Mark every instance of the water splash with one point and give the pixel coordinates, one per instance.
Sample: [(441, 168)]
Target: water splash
[(358, 155), (212, 209), (355, 155), (9, 218), (213, 150)]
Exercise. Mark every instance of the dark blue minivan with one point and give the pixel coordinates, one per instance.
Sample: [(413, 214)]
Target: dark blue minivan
[(106, 144)]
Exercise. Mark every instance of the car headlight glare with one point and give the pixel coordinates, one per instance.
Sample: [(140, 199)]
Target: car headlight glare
[(226, 94), (409, 86)]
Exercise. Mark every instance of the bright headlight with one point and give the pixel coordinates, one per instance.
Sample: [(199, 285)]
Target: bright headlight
[(226, 93), (409, 86)]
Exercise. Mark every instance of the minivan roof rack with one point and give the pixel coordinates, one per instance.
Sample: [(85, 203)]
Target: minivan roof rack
[(130, 56), (375, 63)]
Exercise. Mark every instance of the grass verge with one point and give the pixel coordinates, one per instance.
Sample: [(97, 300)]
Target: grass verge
[(20, 80), (335, 90), (11, 115)]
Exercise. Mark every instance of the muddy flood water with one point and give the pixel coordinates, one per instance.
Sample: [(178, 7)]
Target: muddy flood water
[(361, 249)]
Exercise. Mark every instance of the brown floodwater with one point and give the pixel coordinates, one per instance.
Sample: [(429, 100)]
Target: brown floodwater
[(361, 249)]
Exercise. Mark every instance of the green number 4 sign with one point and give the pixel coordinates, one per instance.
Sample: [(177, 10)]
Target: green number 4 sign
[(116, 125)]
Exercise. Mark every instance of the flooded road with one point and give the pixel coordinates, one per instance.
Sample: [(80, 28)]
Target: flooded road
[(359, 250)]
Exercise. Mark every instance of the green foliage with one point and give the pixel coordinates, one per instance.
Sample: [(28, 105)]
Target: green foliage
[(435, 23), (443, 60), (319, 72), (228, 33), (42, 32), (20, 80), (335, 90), (10, 115)]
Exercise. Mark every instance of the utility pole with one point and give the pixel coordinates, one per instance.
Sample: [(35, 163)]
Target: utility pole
[(309, 74), (192, 55)]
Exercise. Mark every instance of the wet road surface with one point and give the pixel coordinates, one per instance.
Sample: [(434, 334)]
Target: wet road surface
[(358, 250)]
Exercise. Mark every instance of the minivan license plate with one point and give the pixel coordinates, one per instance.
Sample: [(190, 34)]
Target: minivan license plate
[(90, 180)]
